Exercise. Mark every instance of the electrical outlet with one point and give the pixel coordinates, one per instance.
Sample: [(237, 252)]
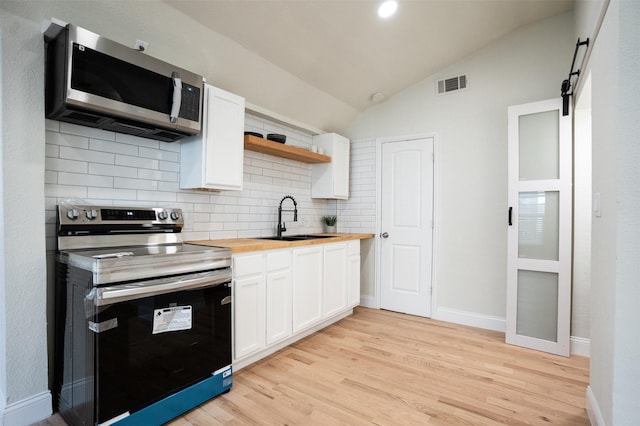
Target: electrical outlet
[(141, 45)]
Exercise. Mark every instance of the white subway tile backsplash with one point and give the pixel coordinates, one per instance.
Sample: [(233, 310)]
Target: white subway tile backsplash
[(235, 226), (193, 197), (102, 167), (207, 226), (358, 213), (52, 125), (158, 154), (111, 170), (159, 196), (57, 164), (50, 177), (65, 191), (126, 183), (61, 139), (158, 175), (86, 155), (51, 150), (111, 194), (144, 163), (114, 148), (168, 186), (78, 179)]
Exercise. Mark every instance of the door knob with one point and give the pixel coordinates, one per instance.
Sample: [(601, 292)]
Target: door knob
[(384, 235)]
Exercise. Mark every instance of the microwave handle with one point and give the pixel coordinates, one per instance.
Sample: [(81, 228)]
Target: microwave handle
[(177, 96)]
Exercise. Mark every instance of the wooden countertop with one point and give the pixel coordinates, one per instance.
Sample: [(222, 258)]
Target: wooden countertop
[(242, 245)]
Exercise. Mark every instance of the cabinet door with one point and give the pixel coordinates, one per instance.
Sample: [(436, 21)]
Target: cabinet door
[(248, 304), (224, 148), (214, 158), (331, 180), (341, 168), (353, 273), (278, 306), (335, 279), (307, 287)]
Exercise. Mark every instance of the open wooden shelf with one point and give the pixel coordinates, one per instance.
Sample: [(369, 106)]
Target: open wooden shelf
[(253, 143)]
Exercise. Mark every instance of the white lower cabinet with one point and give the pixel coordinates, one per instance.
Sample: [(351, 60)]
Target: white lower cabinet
[(261, 300), (248, 304), (307, 287), (278, 296), (335, 279), (282, 295)]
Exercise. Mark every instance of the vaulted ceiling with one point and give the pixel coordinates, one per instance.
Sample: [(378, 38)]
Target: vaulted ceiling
[(342, 48)]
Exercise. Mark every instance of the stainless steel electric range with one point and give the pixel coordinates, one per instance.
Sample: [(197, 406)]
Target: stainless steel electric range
[(143, 321)]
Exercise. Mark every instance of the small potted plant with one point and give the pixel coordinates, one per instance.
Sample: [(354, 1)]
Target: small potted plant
[(329, 223)]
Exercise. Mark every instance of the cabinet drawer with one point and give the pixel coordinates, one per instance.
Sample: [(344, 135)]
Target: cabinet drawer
[(247, 265), (278, 260)]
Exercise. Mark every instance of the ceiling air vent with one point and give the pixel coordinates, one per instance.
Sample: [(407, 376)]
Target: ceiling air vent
[(452, 84)]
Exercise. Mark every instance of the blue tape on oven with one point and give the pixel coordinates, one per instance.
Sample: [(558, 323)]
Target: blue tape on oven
[(182, 401)]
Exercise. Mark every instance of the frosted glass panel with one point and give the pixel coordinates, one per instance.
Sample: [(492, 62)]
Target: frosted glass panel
[(539, 142), (538, 225), (537, 305)]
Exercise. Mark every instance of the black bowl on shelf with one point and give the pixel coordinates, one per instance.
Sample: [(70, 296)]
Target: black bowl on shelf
[(258, 135), (275, 137)]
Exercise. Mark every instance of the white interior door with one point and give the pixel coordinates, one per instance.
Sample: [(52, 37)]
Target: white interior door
[(406, 226), (539, 235)]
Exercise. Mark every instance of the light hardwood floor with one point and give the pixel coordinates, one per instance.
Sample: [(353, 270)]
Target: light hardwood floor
[(384, 368)]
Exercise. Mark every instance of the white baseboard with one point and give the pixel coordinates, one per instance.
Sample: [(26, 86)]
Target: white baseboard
[(580, 346), (2, 402), (593, 409), (471, 319), (368, 301), (27, 411)]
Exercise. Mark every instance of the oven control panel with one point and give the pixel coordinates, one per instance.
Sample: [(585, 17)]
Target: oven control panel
[(113, 216)]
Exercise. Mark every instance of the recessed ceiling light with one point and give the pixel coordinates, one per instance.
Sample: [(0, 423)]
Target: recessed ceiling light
[(387, 8)]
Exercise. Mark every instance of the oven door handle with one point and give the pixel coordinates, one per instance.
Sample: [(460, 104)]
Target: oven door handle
[(102, 296)]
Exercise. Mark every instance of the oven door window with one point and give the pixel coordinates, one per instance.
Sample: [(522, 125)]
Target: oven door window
[(141, 360)]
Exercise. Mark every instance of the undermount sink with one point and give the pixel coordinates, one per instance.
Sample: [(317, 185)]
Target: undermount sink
[(295, 237)]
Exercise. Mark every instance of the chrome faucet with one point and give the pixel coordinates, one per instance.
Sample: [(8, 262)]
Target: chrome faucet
[(281, 225)]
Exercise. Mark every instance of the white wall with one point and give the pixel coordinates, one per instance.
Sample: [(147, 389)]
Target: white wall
[(627, 315), (615, 347), (23, 273), (471, 125)]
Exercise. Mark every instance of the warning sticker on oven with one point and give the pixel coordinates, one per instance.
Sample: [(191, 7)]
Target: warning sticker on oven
[(174, 318)]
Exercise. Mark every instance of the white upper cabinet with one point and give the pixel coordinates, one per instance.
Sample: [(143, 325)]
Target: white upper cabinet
[(214, 159), (331, 180)]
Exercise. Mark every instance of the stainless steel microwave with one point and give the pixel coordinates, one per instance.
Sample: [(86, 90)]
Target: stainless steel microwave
[(96, 82)]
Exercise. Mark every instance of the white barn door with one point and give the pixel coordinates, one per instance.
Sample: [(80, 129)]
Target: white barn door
[(539, 231)]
